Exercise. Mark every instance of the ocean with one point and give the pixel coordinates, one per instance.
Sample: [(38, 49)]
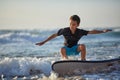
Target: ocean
[(21, 59)]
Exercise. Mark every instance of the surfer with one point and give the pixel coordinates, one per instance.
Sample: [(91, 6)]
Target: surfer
[(72, 35)]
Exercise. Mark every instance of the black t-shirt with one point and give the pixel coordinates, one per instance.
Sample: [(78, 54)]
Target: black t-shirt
[(71, 39)]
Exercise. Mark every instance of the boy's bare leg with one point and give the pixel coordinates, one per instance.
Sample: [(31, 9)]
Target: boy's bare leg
[(82, 49), (63, 53)]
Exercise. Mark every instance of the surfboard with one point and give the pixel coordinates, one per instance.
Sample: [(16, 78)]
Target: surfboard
[(70, 67)]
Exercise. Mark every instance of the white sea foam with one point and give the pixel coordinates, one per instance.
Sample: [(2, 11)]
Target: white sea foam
[(24, 66), (5, 35)]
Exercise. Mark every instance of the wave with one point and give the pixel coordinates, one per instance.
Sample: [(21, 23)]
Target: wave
[(9, 36), (37, 68), (24, 66)]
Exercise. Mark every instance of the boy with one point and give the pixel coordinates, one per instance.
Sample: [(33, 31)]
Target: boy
[(72, 35)]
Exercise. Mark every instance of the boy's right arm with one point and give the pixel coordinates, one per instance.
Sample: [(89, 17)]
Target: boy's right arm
[(49, 38)]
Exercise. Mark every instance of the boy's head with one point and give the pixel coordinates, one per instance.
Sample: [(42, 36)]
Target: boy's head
[(74, 21)]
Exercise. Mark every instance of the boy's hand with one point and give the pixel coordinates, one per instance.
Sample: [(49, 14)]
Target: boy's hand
[(40, 43), (107, 30)]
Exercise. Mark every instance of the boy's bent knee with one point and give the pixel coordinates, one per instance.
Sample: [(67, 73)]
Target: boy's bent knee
[(82, 46), (62, 49)]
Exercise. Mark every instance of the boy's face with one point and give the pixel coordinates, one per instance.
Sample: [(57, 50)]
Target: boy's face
[(73, 24)]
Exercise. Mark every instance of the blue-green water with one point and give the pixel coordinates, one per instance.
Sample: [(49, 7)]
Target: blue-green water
[(19, 56)]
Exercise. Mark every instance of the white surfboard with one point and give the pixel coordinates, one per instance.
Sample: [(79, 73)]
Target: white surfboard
[(70, 67)]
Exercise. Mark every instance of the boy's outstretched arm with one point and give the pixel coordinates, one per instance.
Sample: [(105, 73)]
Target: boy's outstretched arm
[(49, 38), (98, 31)]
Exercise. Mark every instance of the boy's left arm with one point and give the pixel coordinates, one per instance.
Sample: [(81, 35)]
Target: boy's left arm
[(98, 31)]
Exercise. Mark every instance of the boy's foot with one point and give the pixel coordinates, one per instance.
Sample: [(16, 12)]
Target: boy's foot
[(82, 59), (64, 59)]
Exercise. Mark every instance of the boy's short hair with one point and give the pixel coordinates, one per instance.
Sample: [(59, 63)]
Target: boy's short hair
[(75, 18)]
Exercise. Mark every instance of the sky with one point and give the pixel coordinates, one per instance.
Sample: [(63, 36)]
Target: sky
[(52, 14)]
